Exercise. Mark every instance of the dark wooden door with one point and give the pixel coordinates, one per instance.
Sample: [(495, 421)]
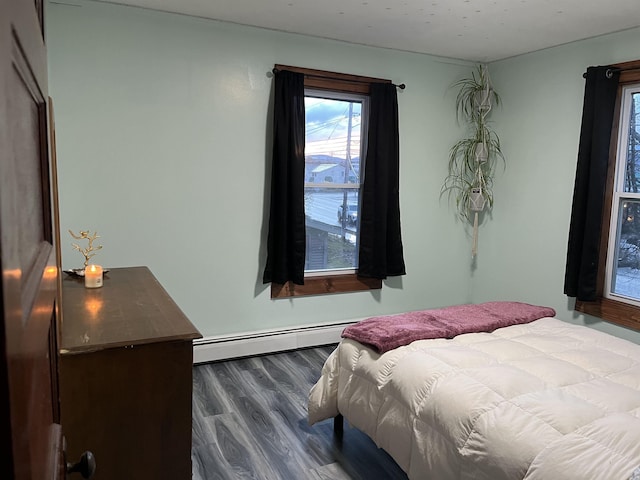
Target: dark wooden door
[(31, 436)]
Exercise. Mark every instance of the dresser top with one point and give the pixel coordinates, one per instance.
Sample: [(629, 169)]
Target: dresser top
[(132, 308)]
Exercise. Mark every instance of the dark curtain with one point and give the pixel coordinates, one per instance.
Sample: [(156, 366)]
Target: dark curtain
[(380, 240), (588, 195), (286, 240)]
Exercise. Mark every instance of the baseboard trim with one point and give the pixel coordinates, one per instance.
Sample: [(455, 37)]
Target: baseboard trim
[(225, 347)]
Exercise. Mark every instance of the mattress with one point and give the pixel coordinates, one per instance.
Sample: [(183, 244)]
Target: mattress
[(538, 401)]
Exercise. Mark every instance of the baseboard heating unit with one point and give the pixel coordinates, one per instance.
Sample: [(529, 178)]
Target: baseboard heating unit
[(225, 347)]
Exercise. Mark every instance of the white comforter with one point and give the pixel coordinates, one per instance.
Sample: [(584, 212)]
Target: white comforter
[(543, 401)]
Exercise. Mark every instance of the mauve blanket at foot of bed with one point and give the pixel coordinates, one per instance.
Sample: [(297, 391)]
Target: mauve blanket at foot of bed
[(387, 332)]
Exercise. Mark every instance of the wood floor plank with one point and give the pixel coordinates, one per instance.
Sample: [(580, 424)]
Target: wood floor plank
[(333, 471), (226, 455), (250, 421)]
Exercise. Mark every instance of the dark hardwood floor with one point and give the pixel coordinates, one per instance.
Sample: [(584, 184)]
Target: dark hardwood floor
[(250, 421)]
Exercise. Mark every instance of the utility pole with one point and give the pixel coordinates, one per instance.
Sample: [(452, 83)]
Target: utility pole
[(347, 165)]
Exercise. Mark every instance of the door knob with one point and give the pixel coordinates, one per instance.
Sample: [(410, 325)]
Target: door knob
[(85, 467)]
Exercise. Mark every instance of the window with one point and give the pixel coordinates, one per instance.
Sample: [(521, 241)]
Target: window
[(334, 132), (340, 255), (619, 275), (622, 279)]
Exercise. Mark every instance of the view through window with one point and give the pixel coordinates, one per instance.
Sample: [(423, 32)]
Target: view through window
[(623, 263), (334, 156)]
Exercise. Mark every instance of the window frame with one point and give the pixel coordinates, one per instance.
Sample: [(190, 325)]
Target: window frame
[(364, 103), (608, 309), (319, 284)]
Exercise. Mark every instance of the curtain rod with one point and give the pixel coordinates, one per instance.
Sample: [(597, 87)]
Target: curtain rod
[(402, 86), (611, 70)]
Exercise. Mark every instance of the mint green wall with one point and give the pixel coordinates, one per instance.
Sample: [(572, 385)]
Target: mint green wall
[(523, 248), (162, 128)]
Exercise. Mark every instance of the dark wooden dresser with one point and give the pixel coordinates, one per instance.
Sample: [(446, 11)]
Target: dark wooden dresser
[(126, 377)]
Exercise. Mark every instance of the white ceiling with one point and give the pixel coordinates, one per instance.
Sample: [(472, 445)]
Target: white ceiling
[(477, 30)]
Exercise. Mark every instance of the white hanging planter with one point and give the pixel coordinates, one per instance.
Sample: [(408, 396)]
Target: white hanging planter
[(483, 100), (477, 200), (481, 152)]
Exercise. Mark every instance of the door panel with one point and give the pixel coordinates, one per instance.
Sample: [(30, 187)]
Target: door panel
[(28, 166), (28, 259)]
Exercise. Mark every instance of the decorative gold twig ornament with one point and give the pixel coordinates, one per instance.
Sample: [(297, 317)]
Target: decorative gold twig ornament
[(86, 235)]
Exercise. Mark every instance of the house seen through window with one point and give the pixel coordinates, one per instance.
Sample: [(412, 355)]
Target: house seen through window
[(334, 143)]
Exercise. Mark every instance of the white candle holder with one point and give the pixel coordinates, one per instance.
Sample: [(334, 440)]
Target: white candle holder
[(93, 276)]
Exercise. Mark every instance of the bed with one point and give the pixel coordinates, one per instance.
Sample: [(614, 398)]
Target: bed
[(536, 399)]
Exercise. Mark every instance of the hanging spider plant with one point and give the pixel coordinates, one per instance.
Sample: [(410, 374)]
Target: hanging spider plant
[(472, 163), (475, 96), (472, 160)]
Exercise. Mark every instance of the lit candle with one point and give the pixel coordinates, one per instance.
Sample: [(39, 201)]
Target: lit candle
[(93, 276)]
